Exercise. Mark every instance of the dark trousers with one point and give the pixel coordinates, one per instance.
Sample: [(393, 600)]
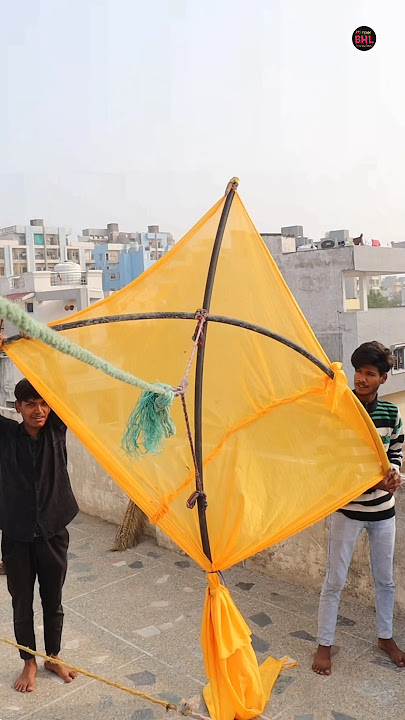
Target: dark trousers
[(24, 562)]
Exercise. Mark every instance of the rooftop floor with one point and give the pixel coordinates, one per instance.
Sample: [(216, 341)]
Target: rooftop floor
[(134, 617)]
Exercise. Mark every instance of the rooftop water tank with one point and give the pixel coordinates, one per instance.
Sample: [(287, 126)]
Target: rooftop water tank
[(67, 273)]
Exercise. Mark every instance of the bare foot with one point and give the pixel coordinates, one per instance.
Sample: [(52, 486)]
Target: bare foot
[(396, 654), (63, 672), (26, 681), (322, 663)]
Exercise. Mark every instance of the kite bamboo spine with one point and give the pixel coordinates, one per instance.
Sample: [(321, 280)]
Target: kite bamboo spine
[(199, 370)]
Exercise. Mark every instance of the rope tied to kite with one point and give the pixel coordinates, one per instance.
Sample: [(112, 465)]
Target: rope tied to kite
[(198, 338), (150, 420), (184, 708)]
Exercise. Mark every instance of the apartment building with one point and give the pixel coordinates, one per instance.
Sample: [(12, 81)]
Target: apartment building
[(37, 247)]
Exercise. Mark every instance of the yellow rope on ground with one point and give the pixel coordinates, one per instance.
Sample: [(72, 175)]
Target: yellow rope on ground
[(183, 709)]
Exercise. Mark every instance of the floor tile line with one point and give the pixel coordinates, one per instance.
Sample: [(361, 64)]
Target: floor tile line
[(81, 539), (118, 637), (73, 528), (114, 582), (62, 697), (358, 637)]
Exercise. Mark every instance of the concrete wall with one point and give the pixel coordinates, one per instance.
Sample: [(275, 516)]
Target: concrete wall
[(381, 261), (388, 326), (399, 400), (9, 377), (349, 340), (96, 493)]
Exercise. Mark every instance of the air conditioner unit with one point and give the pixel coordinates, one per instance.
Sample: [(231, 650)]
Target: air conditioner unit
[(328, 244)]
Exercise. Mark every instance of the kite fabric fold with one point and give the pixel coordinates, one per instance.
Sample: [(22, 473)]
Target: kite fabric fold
[(238, 687), (283, 443)]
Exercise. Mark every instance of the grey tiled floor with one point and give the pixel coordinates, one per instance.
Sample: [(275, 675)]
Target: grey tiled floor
[(134, 617)]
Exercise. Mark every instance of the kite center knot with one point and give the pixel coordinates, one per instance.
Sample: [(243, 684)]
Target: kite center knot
[(201, 316), (194, 497)]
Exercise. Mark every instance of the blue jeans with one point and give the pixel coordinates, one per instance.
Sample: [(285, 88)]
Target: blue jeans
[(343, 535)]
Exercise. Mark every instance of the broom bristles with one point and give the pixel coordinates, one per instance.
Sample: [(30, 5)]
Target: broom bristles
[(131, 529)]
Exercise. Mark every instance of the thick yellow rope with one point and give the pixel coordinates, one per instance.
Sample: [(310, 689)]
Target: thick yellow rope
[(183, 709)]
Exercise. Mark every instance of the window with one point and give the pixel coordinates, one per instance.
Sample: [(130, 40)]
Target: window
[(29, 307), (399, 359), (113, 276), (38, 239)]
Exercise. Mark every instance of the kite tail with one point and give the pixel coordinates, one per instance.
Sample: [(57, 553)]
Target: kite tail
[(150, 421)]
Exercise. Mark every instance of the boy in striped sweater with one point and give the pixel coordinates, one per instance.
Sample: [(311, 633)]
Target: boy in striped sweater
[(373, 511)]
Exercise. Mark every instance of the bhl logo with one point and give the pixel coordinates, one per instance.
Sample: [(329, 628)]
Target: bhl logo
[(364, 38)]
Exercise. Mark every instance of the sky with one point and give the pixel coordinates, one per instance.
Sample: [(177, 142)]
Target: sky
[(140, 112)]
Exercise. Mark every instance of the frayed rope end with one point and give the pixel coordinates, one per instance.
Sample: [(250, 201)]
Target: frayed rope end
[(149, 423)]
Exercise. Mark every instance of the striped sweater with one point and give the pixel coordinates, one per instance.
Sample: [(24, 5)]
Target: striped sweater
[(379, 504)]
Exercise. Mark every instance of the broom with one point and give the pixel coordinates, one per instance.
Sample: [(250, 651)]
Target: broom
[(131, 529)]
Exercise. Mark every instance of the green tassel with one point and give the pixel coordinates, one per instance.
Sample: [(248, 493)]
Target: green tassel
[(149, 423)]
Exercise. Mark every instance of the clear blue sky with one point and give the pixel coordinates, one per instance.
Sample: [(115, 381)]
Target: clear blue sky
[(139, 112)]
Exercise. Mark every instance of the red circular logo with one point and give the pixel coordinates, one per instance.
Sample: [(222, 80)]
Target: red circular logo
[(364, 38)]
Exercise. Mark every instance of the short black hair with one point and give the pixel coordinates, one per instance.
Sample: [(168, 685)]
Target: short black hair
[(25, 391), (373, 353)]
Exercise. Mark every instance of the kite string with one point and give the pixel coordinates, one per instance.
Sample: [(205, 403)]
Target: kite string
[(184, 708), (199, 492), (202, 316)]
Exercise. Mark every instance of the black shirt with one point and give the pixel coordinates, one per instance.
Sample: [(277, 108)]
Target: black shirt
[(35, 491)]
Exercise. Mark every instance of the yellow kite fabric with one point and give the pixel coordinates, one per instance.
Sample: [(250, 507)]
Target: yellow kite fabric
[(284, 445)]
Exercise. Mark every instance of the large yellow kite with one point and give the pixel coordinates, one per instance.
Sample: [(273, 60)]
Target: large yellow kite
[(280, 439)]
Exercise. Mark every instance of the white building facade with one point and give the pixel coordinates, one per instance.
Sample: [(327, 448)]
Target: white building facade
[(36, 247)]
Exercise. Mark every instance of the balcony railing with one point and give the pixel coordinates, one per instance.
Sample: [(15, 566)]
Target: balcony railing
[(42, 280), (71, 277), (16, 283)]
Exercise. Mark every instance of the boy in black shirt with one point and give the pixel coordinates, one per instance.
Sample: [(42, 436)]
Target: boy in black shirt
[(36, 504)]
